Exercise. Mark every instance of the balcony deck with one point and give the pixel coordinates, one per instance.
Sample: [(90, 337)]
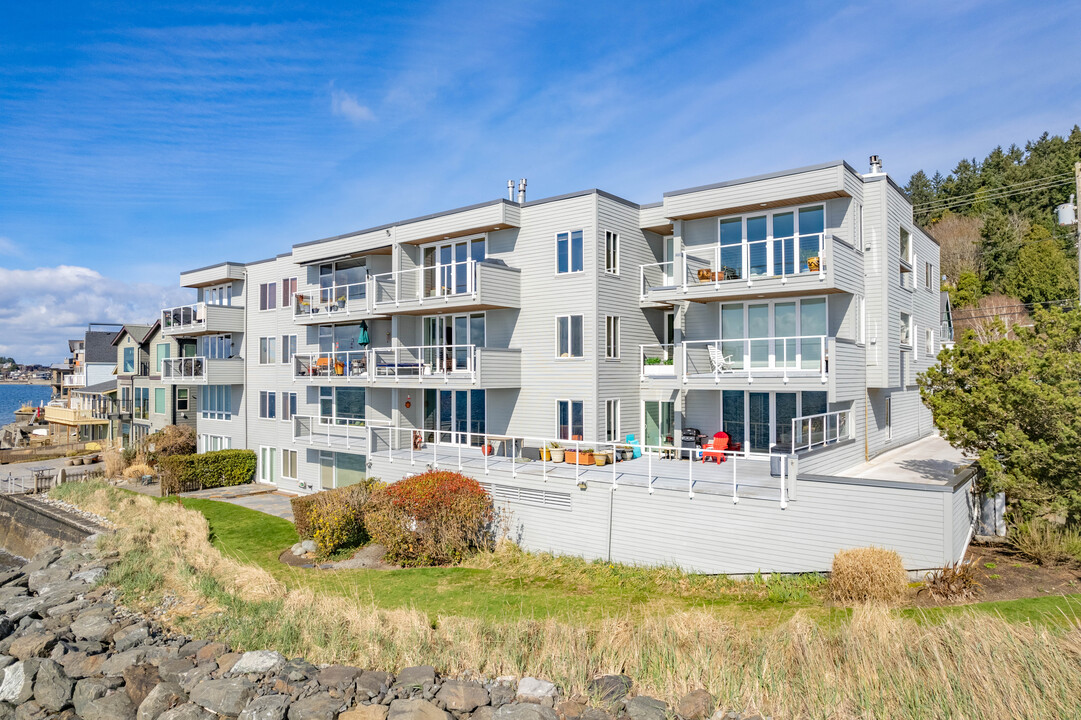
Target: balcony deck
[(202, 371), (201, 319)]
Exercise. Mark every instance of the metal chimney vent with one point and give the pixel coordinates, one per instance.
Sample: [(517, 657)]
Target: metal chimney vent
[(876, 164), (521, 191)]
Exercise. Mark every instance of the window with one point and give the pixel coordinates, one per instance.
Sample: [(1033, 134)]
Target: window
[(161, 353), (569, 336), (611, 337), (268, 296), (889, 419), (289, 348), (569, 252), (611, 421), (266, 464), (266, 350), (289, 405), (159, 401), (182, 399), (906, 247), (289, 286), (216, 402), (341, 405), (216, 346), (570, 419), (929, 341), (906, 329), (611, 253), (289, 464), (340, 469), (859, 228), (219, 295), (267, 404), (210, 443), (860, 312), (142, 403), (928, 275), (129, 359)]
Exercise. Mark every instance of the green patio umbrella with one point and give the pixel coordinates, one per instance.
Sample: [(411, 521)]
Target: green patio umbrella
[(363, 338)]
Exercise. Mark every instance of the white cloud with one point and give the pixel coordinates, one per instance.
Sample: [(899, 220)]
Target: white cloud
[(41, 309), (347, 106), (9, 248)]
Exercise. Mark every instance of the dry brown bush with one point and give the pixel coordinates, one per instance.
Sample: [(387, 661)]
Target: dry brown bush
[(959, 237), (114, 464), (136, 471), (868, 575)]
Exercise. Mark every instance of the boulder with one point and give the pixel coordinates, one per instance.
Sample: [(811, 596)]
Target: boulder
[(97, 628), (535, 690), (646, 708), (339, 676), (165, 696), (187, 711), (190, 649), (500, 694), (19, 607), (41, 581), (211, 651), (462, 696), (485, 712), (320, 706), (91, 576), (117, 706), (416, 710), (227, 696), (415, 676), (17, 685), (610, 688), (42, 559), (570, 710), (33, 644), (139, 680), (171, 670), (117, 664), (258, 662), (81, 665), (309, 546), (268, 707), (31, 711), (695, 705), (52, 688), (372, 682), (299, 669), (67, 608), (525, 711), (366, 712), (91, 689), (130, 636), (595, 714)]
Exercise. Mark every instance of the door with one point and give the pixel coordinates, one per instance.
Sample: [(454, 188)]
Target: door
[(461, 417), (758, 327), (660, 422), (669, 267), (759, 421), (266, 464)]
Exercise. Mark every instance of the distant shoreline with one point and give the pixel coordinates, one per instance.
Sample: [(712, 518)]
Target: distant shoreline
[(26, 382)]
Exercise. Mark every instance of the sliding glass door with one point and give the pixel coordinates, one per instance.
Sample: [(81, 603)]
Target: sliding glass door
[(456, 417)]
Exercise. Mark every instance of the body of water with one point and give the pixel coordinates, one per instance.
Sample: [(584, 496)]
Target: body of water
[(13, 397)]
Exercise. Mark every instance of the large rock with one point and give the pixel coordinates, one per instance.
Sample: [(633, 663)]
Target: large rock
[(171, 670), (187, 711), (33, 644), (535, 690), (91, 576), (525, 711), (646, 708), (372, 682), (462, 696), (91, 689), (81, 665), (41, 581), (18, 684), (365, 712), (695, 705), (339, 676), (93, 627), (139, 680), (320, 706), (130, 636), (211, 651), (258, 662), (416, 710), (117, 664), (52, 688), (268, 707), (117, 706), (500, 694), (42, 559), (609, 688), (19, 607), (415, 676), (299, 669), (165, 696), (224, 697)]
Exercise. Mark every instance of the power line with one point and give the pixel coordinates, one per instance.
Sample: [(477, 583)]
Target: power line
[(1013, 310), (995, 194), (997, 188)]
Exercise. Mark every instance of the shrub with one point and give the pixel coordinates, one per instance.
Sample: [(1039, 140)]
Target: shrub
[(434, 518), (136, 471), (1046, 543), (114, 464), (93, 447), (303, 504), (336, 517), (953, 582), (219, 468), (171, 440), (868, 575)]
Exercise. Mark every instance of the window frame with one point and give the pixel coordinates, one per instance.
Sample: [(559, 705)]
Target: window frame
[(288, 406), (268, 296), (612, 339), (289, 288), (288, 348), (186, 400), (570, 337), (570, 419), (612, 430), (268, 405), (611, 252), (928, 274), (286, 465), (159, 358), (164, 402), (267, 347), (570, 252)]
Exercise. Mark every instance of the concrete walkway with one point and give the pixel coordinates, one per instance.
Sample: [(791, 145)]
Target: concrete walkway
[(254, 496), (927, 460)]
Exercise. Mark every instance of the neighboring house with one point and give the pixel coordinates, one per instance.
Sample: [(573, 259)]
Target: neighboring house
[(132, 364), (792, 311), (81, 417), (168, 403), (947, 319)]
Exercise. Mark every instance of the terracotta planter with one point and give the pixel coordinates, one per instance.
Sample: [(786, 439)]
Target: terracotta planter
[(580, 458)]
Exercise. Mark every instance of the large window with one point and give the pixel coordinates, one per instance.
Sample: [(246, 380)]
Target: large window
[(182, 399), (611, 337), (340, 469), (908, 261), (570, 419), (216, 402), (129, 360), (611, 421), (289, 464), (569, 336), (266, 350), (267, 404), (763, 244), (159, 401), (161, 353), (289, 286), (289, 348), (569, 252), (141, 410), (268, 296), (611, 253), (289, 405), (218, 347), (219, 295), (779, 334), (342, 405), (758, 421), (210, 443)]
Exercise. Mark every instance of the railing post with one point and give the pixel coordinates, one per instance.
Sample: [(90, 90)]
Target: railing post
[(577, 460), (784, 470), (459, 457), (614, 451), (690, 475), (484, 452), (649, 470), (821, 256), (735, 493)]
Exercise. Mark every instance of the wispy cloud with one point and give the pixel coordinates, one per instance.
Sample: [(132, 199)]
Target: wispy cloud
[(8, 248), (347, 106), (41, 308)]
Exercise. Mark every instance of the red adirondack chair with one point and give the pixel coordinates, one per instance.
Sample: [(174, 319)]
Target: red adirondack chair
[(715, 450)]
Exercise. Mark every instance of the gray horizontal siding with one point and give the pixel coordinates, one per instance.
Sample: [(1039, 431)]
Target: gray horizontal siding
[(499, 286)]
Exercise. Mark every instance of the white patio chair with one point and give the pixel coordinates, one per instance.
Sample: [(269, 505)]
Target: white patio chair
[(719, 363)]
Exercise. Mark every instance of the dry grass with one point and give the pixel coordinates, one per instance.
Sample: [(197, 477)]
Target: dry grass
[(873, 665), (868, 575), (137, 470), (1047, 543), (114, 463)]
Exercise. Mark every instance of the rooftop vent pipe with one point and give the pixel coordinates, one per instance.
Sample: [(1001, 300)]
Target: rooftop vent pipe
[(521, 191), (876, 164), (510, 190)]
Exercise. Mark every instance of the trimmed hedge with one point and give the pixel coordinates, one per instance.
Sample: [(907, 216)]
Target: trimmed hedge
[(333, 518), (219, 468)]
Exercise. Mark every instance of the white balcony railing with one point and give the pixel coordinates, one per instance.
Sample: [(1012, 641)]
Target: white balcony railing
[(184, 318), (658, 360), (327, 302), (425, 284), (746, 262), (785, 357), (75, 380), (422, 361), (184, 369), (811, 431), (343, 433)]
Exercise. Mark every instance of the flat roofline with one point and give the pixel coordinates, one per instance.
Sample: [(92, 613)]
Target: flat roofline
[(765, 176), (211, 267)]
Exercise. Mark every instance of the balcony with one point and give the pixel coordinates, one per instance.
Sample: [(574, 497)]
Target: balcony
[(338, 303), (73, 416), (463, 286), (76, 380), (420, 366), (807, 264), (337, 433), (202, 371), (799, 361), (201, 319), (814, 431)]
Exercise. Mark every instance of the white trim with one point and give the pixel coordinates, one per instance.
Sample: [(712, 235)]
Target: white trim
[(570, 338), (617, 252), (570, 235)]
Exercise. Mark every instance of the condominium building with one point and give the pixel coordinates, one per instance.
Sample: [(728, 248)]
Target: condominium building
[(790, 312)]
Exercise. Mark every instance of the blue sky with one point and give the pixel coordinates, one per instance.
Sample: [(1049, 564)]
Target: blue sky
[(138, 139)]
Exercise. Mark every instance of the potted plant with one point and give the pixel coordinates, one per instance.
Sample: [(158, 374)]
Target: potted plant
[(584, 456), (554, 452), (341, 302), (627, 451), (812, 263), (601, 458)]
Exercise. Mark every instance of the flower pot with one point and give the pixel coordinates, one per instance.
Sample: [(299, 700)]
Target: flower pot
[(558, 454), (546, 455), (628, 454), (486, 449), (600, 459), (575, 457), (812, 263)]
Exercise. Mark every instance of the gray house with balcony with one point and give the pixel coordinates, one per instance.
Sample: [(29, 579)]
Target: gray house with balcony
[(713, 367)]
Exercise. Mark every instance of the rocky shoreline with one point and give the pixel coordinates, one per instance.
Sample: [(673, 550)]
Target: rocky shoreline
[(69, 651)]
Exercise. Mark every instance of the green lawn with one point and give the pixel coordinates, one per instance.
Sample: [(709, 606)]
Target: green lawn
[(256, 538)]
